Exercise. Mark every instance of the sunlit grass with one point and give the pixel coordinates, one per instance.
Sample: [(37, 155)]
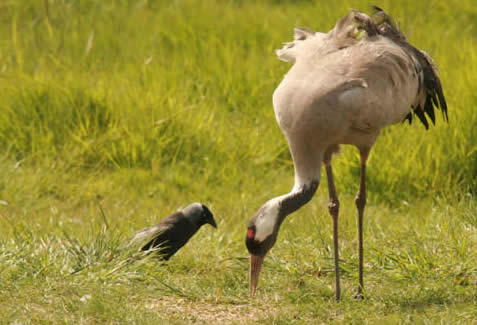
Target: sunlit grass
[(114, 114)]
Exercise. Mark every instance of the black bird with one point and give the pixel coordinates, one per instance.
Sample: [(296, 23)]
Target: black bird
[(175, 230)]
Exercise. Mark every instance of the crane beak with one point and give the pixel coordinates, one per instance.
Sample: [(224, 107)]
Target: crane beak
[(256, 262)]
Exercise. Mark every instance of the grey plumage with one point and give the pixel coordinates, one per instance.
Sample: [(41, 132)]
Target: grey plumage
[(344, 87)]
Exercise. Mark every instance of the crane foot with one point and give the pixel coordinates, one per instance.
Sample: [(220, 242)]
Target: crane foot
[(359, 295)]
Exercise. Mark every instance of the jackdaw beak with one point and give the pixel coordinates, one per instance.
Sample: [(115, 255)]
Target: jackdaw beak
[(208, 217), (211, 222)]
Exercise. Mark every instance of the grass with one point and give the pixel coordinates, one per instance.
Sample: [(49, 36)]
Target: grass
[(116, 113)]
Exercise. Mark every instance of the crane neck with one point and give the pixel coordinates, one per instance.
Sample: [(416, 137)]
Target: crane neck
[(270, 216), (299, 196)]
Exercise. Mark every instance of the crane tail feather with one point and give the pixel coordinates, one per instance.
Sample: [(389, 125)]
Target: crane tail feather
[(420, 114), (431, 84)]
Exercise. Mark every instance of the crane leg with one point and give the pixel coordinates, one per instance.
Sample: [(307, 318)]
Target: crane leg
[(333, 207), (360, 204)]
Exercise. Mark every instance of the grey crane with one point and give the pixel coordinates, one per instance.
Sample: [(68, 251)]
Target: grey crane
[(344, 87)]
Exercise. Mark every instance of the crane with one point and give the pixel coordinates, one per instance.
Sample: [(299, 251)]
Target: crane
[(344, 87)]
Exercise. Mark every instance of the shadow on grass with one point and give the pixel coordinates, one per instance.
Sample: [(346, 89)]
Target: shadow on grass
[(421, 299)]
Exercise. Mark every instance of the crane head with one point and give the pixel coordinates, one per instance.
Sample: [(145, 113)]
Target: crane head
[(261, 235)]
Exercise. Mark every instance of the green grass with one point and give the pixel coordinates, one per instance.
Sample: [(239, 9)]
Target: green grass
[(116, 113)]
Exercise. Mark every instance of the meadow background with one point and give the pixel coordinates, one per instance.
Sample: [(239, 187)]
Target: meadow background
[(114, 114)]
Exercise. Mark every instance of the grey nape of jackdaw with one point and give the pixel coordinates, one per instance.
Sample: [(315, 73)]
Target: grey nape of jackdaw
[(175, 230)]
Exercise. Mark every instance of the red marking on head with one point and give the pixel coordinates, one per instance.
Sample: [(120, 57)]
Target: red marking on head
[(250, 233)]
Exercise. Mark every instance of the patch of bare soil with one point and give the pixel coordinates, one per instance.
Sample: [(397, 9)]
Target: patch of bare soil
[(205, 312)]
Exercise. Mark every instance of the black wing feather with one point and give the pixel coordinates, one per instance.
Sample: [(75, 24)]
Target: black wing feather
[(430, 81), (420, 114), (429, 108)]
